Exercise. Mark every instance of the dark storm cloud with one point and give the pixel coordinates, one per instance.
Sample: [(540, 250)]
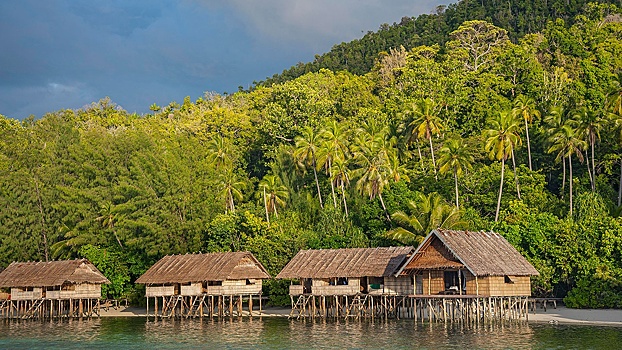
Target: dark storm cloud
[(68, 53)]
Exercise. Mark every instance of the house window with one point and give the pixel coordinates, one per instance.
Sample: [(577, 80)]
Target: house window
[(250, 281), (214, 283), (507, 279)]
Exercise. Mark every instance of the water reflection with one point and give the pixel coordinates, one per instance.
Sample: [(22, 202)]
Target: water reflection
[(281, 333)]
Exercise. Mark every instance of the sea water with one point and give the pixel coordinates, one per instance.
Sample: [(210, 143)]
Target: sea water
[(281, 333)]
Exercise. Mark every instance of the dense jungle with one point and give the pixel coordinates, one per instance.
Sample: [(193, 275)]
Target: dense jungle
[(481, 116)]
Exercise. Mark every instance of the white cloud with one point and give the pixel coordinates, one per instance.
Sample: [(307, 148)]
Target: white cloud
[(323, 23)]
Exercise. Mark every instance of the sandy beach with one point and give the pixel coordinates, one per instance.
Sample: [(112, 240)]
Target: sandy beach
[(559, 315)]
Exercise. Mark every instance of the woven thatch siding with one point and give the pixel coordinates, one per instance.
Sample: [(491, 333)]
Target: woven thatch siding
[(482, 253), (51, 274), (204, 267), (353, 262), (398, 285)]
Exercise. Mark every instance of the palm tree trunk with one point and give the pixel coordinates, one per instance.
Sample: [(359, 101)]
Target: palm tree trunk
[(420, 157), (265, 204), (593, 166), (570, 183), (456, 184), (564, 176), (332, 185), (433, 160), (343, 193), (114, 232), (384, 207), (317, 183), (500, 189), (515, 175), (589, 171), (528, 145)]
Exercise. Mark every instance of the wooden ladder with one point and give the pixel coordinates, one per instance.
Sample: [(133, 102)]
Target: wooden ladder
[(357, 305), (170, 306), (300, 306), (193, 311), (33, 308)]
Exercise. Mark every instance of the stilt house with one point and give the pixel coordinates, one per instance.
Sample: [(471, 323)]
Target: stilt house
[(69, 279), (228, 273), (188, 283), (349, 271), (70, 288), (468, 263)]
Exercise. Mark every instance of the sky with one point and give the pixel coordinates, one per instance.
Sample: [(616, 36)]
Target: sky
[(66, 54)]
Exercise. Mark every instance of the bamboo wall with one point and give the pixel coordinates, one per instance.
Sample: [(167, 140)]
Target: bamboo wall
[(402, 285), (22, 294), (496, 286), (323, 287), (433, 282), (159, 291), (78, 291)]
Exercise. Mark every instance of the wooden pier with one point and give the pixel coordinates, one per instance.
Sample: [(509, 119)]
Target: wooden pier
[(49, 308), (438, 308), (204, 305)]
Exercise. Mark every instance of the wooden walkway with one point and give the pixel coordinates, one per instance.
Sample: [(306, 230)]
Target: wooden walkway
[(443, 308)]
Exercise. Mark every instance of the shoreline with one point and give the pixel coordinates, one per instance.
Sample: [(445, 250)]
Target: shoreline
[(559, 315)]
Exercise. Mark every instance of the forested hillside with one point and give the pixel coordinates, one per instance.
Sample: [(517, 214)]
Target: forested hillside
[(481, 132), (516, 17)]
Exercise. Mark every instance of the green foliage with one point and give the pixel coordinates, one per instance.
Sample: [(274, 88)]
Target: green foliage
[(322, 155)]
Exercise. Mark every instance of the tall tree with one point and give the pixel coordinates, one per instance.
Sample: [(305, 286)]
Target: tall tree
[(500, 138), (305, 152), (564, 144), (425, 123), (456, 157), (525, 107), (334, 146), (371, 156), (589, 125), (274, 194)]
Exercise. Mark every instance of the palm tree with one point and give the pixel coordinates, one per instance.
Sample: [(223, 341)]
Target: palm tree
[(219, 151), (525, 107), (564, 144), (426, 214), (500, 141), (425, 123), (334, 146), (589, 125), (554, 121), (231, 189), (108, 219), (305, 150), (341, 178), (274, 194), (455, 156), (371, 155)]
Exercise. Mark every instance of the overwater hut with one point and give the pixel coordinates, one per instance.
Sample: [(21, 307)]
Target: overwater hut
[(348, 271), (346, 281), (70, 288), (469, 263), (193, 285)]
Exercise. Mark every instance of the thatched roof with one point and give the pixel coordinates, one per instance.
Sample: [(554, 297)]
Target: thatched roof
[(50, 274), (482, 253), (204, 267), (353, 262)]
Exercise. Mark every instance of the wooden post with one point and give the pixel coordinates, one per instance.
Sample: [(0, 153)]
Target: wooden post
[(459, 282), (250, 305), (429, 282)]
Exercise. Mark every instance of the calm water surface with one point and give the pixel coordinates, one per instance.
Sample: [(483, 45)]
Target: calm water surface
[(281, 333)]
